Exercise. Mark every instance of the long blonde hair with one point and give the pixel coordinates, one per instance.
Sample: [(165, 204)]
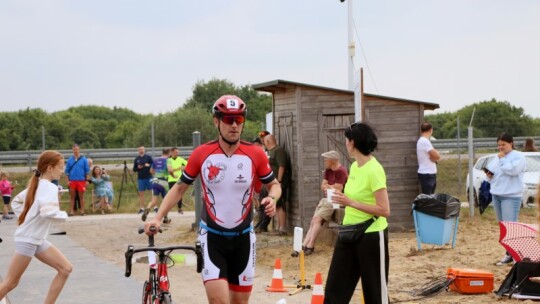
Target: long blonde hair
[(46, 159)]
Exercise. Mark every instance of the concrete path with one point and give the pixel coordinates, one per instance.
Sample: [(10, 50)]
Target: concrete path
[(92, 280)]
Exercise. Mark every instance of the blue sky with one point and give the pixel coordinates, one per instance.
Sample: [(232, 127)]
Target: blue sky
[(148, 55)]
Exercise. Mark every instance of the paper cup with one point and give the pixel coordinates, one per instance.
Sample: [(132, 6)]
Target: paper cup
[(329, 197), (330, 194)]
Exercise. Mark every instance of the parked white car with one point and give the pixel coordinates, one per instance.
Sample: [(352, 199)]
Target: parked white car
[(531, 178)]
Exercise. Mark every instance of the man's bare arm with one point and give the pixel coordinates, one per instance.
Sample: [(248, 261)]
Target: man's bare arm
[(434, 155)]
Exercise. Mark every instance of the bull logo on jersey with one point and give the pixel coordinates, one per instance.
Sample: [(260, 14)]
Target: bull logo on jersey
[(214, 173)]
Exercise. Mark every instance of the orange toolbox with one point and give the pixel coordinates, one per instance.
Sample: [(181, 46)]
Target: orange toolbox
[(470, 281)]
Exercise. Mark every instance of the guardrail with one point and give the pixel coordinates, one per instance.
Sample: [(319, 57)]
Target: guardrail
[(29, 158), (479, 143)]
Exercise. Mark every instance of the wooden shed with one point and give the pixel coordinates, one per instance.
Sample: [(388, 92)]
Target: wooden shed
[(309, 120)]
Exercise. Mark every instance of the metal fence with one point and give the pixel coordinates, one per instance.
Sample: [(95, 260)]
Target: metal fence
[(455, 145), (29, 158), (451, 178)]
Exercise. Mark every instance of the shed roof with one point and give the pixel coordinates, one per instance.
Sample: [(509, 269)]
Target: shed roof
[(277, 85)]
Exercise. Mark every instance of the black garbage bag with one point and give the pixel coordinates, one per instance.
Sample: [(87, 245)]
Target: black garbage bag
[(439, 205)]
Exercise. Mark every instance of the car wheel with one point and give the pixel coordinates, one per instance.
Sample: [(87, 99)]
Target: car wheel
[(475, 197)]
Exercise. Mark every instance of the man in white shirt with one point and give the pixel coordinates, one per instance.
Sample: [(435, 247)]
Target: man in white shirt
[(427, 160)]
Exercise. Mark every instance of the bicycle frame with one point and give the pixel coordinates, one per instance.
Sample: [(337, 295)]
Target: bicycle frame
[(156, 288)]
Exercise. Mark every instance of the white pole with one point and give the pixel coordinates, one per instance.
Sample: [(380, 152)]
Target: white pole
[(350, 46), (354, 84)]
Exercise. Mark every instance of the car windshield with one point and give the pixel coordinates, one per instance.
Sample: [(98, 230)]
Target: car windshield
[(533, 163)]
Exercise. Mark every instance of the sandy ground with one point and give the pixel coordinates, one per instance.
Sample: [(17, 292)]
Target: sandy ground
[(476, 247)]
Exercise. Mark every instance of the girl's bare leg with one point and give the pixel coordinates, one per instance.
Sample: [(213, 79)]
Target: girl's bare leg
[(54, 258), (18, 265)]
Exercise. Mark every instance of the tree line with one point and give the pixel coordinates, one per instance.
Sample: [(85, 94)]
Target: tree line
[(98, 127), (491, 118)]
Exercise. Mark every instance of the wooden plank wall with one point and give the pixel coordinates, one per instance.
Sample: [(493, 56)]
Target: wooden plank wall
[(397, 126), (307, 105), (311, 112), (285, 115)]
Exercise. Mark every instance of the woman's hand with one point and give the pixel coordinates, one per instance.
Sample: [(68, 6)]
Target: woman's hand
[(340, 198)]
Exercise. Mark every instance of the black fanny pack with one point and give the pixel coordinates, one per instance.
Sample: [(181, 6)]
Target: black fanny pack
[(353, 233)]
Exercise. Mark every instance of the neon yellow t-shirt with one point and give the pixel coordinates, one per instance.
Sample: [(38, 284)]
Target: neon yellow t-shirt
[(361, 185), (175, 164)]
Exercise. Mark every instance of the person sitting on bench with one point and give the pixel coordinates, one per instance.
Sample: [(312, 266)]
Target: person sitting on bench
[(335, 176)]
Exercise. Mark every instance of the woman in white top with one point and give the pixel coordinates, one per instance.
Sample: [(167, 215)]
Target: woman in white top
[(505, 173), (35, 208)]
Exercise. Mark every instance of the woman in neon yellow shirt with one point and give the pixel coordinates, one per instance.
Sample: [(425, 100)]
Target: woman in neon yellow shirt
[(365, 253)]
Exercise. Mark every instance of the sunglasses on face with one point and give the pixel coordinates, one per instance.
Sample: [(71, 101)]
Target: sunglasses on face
[(233, 119)]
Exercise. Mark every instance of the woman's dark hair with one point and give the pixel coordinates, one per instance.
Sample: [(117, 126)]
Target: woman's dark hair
[(94, 171), (363, 136), (507, 138), (529, 145)]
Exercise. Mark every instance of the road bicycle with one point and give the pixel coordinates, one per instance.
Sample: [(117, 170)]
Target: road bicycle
[(156, 288)]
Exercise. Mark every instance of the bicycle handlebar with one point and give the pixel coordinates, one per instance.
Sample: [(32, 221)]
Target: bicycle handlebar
[(197, 249)]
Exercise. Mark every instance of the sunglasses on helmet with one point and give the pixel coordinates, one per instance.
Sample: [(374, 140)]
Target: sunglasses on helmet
[(230, 119)]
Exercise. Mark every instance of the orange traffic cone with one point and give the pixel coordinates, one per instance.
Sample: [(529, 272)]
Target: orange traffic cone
[(277, 279), (317, 297)]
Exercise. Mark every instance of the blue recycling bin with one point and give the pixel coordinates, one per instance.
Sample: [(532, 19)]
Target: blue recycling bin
[(436, 219)]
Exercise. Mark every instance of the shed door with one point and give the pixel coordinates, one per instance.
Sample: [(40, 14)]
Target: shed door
[(284, 133), (332, 136)]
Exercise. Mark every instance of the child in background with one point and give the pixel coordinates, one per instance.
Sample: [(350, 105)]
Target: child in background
[(6, 189), (99, 179)]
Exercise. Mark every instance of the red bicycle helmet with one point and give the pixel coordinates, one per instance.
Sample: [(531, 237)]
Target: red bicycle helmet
[(229, 105)]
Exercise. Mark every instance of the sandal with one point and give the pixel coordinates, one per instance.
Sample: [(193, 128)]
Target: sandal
[(308, 251), (295, 253)]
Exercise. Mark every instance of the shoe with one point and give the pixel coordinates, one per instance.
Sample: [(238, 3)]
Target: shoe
[(180, 211), (7, 217), (166, 220), (278, 233), (261, 230), (155, 209), (141, 211), (294, 254), (506, 260), (145, 214), (308, 251)]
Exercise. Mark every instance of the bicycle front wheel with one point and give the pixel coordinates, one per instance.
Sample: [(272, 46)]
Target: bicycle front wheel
[(147, 293), (166, 298)]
